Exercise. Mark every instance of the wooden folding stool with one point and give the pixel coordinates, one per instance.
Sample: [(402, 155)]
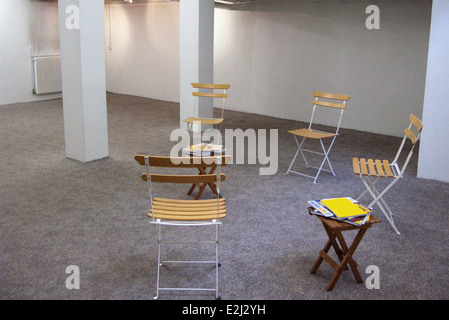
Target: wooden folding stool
[(344, 253)]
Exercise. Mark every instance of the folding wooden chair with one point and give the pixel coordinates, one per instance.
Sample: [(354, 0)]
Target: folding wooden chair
[(185, 213), (207, 91), (371, 171), (322, 99)]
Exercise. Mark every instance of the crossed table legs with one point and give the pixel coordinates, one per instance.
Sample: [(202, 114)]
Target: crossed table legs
[(334, 231), (201, 187)]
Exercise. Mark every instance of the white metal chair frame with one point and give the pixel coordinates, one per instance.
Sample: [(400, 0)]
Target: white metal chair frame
[(212, 219), (207, 90), (311, 133), (378, 169)]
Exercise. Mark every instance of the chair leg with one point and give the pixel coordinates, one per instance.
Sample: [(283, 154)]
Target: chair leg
[(377, 198), (296, 154), (160, 263), (293, 161), (368, 185), (326, 158), (389, 217), (300, 150), (217, 264), (320, 168), (327, 154), (158, 260), (302, 153)]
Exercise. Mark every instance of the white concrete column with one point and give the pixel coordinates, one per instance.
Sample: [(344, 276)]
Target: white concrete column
[(81, 36), (196, 53), (434, 150)]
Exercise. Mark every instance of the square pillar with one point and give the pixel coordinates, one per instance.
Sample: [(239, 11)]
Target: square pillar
[(433, 151), (196, 54), (81, 36)]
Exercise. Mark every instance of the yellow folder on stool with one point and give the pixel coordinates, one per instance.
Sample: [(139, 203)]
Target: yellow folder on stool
[(344, 208)]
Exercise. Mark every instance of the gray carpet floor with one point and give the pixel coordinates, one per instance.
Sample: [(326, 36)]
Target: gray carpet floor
[(56, 212)]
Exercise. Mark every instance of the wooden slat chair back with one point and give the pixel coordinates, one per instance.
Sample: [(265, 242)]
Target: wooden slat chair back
[(321, 100), (371, 171), (192, 209), (181, 212), (212, 91)]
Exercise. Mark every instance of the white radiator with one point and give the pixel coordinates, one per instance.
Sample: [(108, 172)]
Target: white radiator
[(47, 74)]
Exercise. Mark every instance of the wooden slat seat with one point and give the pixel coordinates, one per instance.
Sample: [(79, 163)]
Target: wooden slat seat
[(373, 168), (188, 210), (311, 134)]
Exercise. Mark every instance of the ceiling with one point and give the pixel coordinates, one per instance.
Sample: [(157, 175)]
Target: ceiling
[(224, 2), (218, 2)]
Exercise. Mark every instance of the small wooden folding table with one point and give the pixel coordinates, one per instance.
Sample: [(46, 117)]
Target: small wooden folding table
[(225, 159), (201, 187), (334, 231)]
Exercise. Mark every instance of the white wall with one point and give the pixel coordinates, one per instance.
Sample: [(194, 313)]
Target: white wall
[(25, 27), (275, 55), (143, 59), (434, 150)]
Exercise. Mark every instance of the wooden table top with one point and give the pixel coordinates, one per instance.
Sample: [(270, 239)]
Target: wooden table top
[(340, 225)]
